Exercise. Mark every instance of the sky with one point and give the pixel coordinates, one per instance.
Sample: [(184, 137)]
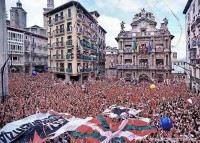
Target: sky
[(112, 12)]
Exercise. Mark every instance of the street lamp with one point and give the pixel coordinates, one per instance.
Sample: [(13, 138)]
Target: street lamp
[(2, 74)]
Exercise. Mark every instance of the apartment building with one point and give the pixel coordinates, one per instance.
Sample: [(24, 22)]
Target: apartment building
[(27, 51), (101, 46), (144, 53), (72, 42), (192, 22), (27, 46)]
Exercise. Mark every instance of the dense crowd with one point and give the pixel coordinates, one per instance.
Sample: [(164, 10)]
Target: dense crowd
[(30, 94)]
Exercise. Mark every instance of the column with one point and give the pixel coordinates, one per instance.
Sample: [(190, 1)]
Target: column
[(3, 49)]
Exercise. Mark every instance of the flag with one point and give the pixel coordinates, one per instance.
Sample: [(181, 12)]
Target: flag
[(120, 112), (134, 46), (40, 127), (149, 47), (102, 129)]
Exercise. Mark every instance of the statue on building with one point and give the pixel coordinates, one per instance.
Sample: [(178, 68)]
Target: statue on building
[(122, 26), (143, 13), (165, 20)]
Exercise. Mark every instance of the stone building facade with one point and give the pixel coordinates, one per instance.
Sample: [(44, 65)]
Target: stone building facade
[(144, 53), (192, 23)]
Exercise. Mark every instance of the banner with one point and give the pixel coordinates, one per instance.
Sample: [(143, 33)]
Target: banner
[(40, 127)]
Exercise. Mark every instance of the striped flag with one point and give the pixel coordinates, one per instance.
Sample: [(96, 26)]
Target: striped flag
[(134, 46), (102, 129)]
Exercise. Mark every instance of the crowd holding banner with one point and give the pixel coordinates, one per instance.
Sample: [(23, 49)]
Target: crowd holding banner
[(41, 94)]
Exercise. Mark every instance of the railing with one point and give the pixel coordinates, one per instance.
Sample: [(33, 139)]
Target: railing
[(86, 70), (59, 31), (79, 30), (130, 66), (16, 62), (143, 33), (60, 69), (69, 70), (50, 22), (69, 43), (193, 27), (49, 34), (86, 23), (112, 67), (49, 46), (128, 50), (59, 57), (59, 19), (87, 45), (69, 56), (196, 80), (58, 44), (85, 57), (194, 43), (69, 30)]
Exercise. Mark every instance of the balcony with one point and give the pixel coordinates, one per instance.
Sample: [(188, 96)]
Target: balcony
[(79, 30), (86, 35), (87, 45), (142, 67), (128, 50), (193, 27), (50, 34), (112, 67), (68, 70), (68, 17), (198, 21), (50, 22), (59, 20), (159, 50), (86, 23), (79, 18), (33, 45), (86, 70), (59, 57), (39, 46), (59, 45), (60, 69), (69, 56), (49, 46), (59, 32), (26, 43), (69, 30), (143, 34), (86, 57), (69, 43), (16, 63)]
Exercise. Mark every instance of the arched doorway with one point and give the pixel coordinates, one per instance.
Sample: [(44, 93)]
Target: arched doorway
[(15, 70), (143, 77)]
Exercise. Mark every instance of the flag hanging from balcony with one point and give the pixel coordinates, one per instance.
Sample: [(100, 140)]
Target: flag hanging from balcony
[(149, 47), (134, 46)]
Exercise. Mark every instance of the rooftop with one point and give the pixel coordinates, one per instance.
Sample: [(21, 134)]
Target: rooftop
[(187, 6), (69, 4)]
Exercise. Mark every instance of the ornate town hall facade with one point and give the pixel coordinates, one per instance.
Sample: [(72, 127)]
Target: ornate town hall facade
[(144, 53)]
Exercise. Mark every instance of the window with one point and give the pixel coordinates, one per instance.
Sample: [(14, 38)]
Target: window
[(198, 2), (61, 15), (61, 54), (50, 54), (193, 8), (56, 17), (14, 58), (69, 13)]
